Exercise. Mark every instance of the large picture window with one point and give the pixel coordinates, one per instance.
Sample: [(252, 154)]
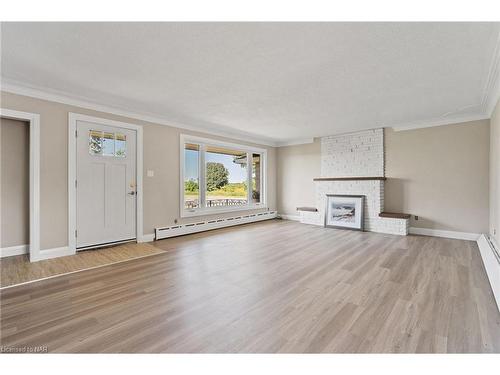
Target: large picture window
[(218, 176)]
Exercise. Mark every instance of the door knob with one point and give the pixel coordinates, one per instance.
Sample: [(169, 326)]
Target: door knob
[(131, 193)]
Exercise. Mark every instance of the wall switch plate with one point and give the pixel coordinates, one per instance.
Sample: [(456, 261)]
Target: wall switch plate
[(150, 173)]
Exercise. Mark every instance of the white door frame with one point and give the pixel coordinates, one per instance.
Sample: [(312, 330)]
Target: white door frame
[(34, 123), (73, 118)]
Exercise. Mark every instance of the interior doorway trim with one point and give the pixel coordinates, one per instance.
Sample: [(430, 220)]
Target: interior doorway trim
[(34, 123), (73, 118)]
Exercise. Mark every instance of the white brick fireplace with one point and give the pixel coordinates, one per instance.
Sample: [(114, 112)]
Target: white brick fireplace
[(358, 160)]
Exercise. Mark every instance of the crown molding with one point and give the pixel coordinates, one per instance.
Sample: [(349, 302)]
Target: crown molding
[(294, 142), (439, 122), (18, 88)]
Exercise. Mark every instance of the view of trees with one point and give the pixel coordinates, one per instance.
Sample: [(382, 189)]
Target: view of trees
[(191, 186), (217, 176), (218, 184), (224, 184)]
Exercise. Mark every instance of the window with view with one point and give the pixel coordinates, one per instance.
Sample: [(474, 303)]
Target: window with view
[(191, 176), (219, 176)]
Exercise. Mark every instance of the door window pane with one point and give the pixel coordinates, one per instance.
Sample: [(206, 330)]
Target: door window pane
[(108, 144), (120, 145), (191, 176), (256, 178), (95, 142), (226, 177)]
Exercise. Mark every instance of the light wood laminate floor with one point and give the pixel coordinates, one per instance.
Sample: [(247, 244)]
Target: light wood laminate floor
[(275, 286)]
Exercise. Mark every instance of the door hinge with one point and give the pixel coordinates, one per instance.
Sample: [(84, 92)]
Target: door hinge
[(76, 233), (76, 133), (76, 183)]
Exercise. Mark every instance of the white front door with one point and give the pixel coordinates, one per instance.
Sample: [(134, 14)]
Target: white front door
[(106, 203)]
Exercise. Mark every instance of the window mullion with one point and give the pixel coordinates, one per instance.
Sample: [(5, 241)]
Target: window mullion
[(202, 177), (262, 171), (263, 176), (249, 178)]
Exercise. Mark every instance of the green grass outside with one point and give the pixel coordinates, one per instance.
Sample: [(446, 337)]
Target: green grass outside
[(237, 190)]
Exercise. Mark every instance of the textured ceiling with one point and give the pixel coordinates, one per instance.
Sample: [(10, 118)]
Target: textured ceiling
[(275, 82)]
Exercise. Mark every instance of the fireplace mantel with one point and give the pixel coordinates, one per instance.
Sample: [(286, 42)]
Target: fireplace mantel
[(349, 178)]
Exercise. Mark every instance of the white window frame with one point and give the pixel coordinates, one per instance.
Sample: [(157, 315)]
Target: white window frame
[(203, 143)]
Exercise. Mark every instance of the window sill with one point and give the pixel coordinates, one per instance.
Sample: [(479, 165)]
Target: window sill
[(214, 211)]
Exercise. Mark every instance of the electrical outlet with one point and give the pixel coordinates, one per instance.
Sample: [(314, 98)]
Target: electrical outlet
[(416, 217)]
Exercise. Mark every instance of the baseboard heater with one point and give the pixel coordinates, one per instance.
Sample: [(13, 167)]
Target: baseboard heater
[(201, 226), (491, 263)]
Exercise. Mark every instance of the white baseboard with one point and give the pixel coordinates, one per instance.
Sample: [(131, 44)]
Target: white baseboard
[(492, 266), (445, 233), (52, 253), (146, 238), (290, 217), (44, 254), (202, 226), (14, 250)]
